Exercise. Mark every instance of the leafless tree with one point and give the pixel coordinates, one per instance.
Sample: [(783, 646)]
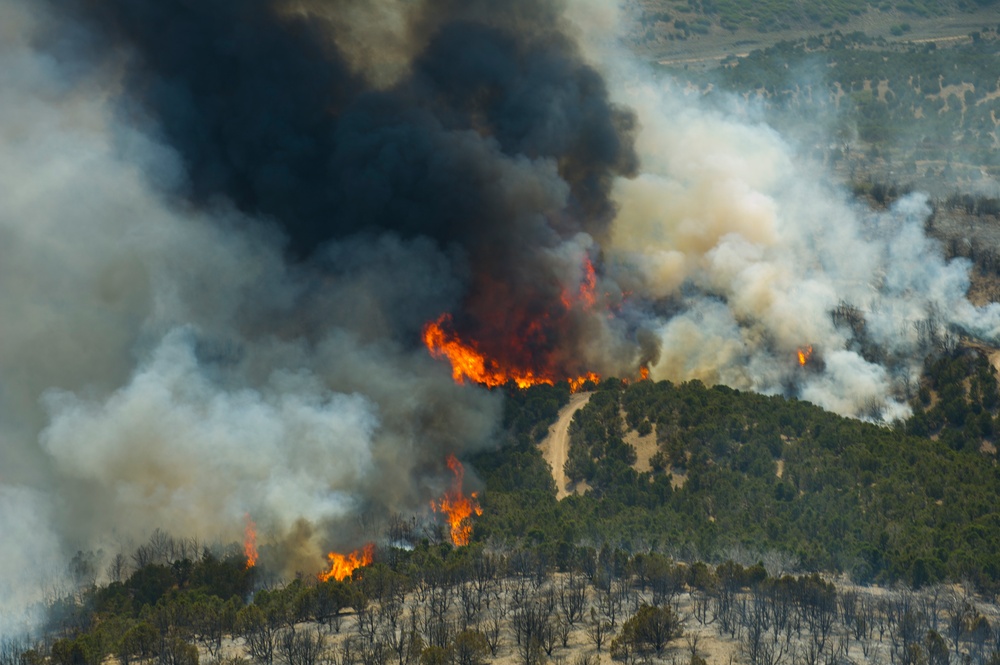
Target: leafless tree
[(848, 606), (163, 546), (530, 623), (573, 597), (493, 628), (259, 633), (958, 615), (366, 621), (302, 647), (598, 630), (349, 652), (374, 653), (550, 635), (610, 599), (701, 603), (117, 569), (755, 618), (470, 602)]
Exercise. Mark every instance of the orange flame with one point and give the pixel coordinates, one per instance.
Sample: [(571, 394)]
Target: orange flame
[(587, 294), (250, 541), (575, 385), (457, 507), (588, 288), (804, 354), (469, 364), (343, 566), (643, 375)]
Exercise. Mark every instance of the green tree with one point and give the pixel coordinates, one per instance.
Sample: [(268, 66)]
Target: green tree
[(469, 648), (648, 632)]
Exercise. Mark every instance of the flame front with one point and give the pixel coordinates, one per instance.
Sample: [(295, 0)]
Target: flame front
[(343, 566), (468, 364), (457, 507), (576, 384), (250, 541), (503, 343), (804, 354)]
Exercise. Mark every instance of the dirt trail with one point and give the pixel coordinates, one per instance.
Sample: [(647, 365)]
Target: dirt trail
[(556, 445)]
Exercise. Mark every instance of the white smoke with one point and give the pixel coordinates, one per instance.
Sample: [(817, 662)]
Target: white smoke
[(31, 555), (187, 453), (756, 247)]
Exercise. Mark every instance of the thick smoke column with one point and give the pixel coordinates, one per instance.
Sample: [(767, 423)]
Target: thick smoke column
[(497, 141), (226, 223)]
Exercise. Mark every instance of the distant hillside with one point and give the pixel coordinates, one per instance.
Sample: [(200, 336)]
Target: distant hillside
[(682, 19), (910, 112)]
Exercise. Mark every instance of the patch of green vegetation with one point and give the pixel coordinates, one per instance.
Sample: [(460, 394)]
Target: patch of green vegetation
[(845, 491)]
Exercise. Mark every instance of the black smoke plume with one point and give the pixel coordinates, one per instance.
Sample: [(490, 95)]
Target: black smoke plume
[(229, 221), (498, 140)]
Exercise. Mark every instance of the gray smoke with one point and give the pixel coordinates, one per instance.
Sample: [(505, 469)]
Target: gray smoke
[(166, 367)]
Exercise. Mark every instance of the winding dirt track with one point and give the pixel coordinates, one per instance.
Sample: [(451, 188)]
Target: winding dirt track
[(556, 444)]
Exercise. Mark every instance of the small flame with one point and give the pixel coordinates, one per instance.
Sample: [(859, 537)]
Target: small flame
[(250, 541), (457, 507), (588, 288), (587, 294), (343, 566), (805, 353), (575, 385), (643, 375), (468, 364)]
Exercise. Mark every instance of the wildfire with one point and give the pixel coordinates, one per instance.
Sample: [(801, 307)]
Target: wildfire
[(588, 287), (643, 375), (468, 364), (343, 566), (576, 384), (457, 507), (250, 541), (804, 354), (587, 293)]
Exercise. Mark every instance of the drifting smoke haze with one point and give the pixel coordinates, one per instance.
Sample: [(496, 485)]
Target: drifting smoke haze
[(759, 254), (224, 225)]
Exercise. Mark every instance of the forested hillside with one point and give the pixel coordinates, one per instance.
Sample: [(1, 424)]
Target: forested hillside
[(912, 502), (912, 113)]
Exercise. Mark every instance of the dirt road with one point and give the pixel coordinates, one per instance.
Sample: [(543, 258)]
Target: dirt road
[(556, 445)]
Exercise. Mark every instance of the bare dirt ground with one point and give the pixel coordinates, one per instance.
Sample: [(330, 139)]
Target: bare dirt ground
[(645, 448), (556, 445)]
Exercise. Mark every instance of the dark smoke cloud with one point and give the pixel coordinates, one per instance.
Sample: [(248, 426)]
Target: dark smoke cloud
[(225, 224), (499, 139), (265, 111)]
